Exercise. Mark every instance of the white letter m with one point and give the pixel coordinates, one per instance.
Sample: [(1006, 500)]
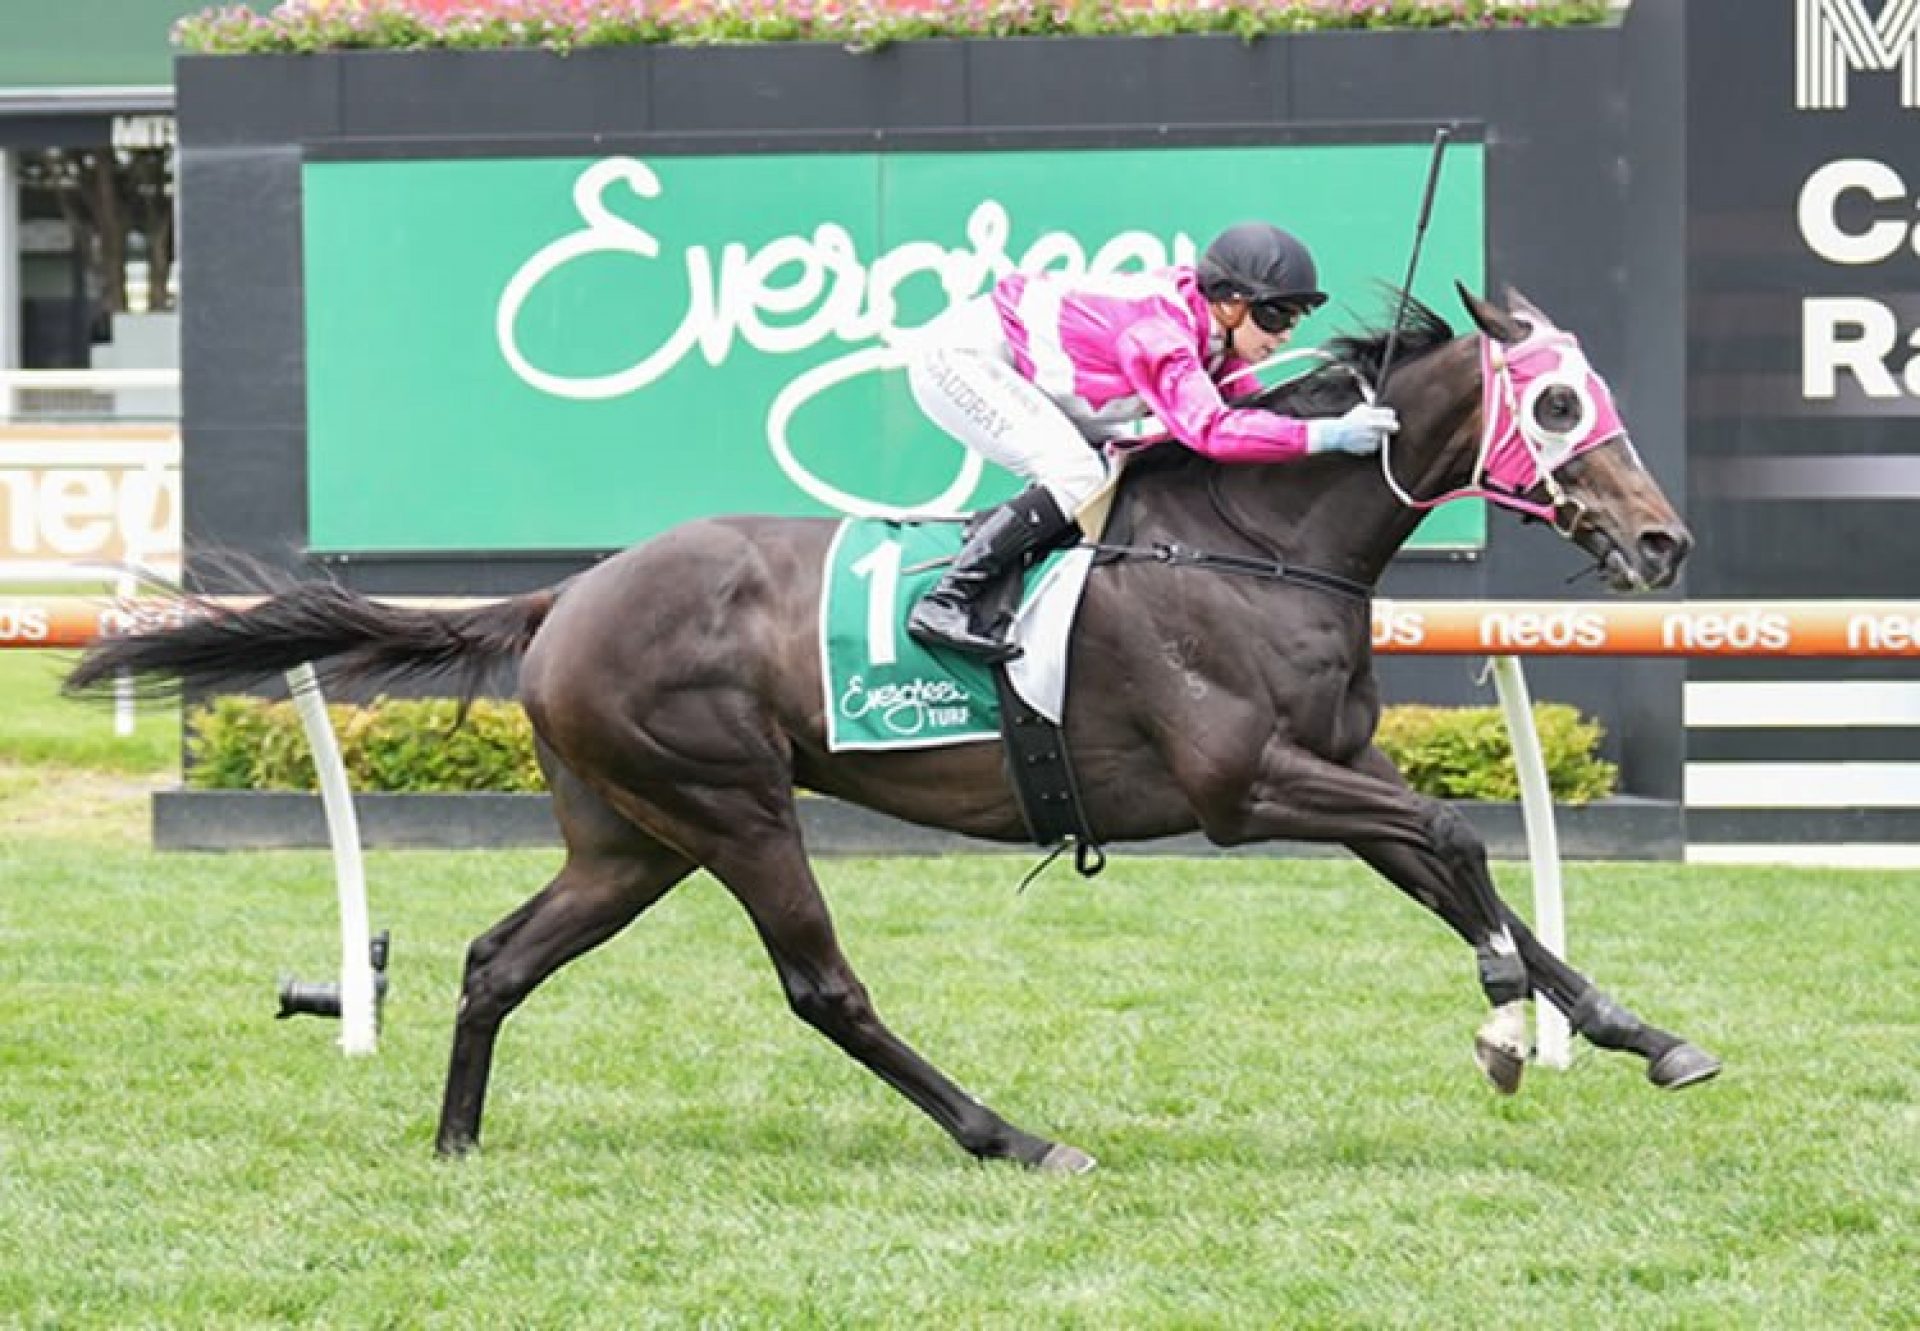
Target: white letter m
[(1835, 37)]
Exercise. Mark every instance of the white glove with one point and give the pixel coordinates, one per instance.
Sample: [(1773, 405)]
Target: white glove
[(1361, 431)]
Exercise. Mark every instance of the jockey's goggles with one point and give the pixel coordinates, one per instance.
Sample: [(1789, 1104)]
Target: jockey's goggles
[(1277, 316)]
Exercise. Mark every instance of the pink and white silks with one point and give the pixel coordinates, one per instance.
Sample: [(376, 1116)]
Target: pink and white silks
[(1043, 372)]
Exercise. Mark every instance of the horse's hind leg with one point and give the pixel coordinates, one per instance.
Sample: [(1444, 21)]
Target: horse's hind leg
[(765, 866), (613, 872)]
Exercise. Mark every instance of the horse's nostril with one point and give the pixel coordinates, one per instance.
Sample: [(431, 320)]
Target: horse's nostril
[(1663, 548)]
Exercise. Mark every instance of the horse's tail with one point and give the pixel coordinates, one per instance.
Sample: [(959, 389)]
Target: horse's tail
[(345, 636)]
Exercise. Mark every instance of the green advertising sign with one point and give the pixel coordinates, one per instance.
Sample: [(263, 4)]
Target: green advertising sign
[(574, 354), (91, 43)]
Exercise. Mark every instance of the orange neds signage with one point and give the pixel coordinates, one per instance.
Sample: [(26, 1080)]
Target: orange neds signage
[(75, 621), (1435, 628), (1648, 628)]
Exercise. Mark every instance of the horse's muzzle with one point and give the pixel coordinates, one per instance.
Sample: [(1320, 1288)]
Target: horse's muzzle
[(1659, 552), (1647, 560), (1615, 511)]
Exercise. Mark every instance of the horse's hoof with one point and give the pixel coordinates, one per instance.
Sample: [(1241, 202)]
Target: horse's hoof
[(456, 1148), (1683, 1065), (1500, 1047), (1064, 1159), (1503, 1067)]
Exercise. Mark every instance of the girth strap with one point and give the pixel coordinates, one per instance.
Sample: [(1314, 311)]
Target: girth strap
[(1043, 778)]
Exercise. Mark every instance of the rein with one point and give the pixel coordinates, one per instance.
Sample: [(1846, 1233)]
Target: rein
[(1270, 569), (1175, 555)]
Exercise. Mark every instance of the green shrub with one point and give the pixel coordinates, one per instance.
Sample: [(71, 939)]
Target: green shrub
[(1462, 753), (240, 743), (228, 746)]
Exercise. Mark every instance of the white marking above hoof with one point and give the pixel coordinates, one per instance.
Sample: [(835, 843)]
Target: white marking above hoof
[(1500, 1047), (1062, 1159)]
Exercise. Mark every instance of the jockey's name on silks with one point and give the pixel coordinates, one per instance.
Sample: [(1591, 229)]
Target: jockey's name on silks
[(883, 689)]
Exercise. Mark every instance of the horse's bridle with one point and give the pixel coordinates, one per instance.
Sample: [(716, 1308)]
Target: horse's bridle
[(1519, 453)]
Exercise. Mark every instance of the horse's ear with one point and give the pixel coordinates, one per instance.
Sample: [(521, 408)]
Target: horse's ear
[(1526, 309), (1495, 322)]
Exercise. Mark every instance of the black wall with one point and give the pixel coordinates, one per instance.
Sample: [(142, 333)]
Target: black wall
[(1584, 202)]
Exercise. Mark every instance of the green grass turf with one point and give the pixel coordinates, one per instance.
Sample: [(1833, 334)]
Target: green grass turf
[(37, 726), (1269, 1059)]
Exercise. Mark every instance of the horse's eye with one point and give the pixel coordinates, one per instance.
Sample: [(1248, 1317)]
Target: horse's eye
[(1557, 410)]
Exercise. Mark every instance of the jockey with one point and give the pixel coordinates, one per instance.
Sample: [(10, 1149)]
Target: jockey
[(1040, 374)]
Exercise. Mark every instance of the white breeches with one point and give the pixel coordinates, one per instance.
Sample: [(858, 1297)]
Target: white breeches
[(963, 377)]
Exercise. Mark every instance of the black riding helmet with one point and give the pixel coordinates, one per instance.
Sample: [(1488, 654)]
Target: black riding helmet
[(1258, 262)]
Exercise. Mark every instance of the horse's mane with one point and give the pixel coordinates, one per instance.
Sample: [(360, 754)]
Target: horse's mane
[(1331, 388)]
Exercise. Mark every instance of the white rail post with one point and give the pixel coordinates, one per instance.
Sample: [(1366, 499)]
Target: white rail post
[(357, 1027), (124, 588), (9, 276), (1553, 1041)]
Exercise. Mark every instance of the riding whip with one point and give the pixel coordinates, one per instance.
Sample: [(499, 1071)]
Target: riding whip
[(1440, 138)]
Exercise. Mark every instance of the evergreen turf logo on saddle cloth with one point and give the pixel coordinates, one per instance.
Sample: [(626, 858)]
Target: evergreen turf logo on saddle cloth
[(883, 689)]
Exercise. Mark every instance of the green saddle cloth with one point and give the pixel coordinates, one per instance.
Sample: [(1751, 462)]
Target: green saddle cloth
[(883, 689)]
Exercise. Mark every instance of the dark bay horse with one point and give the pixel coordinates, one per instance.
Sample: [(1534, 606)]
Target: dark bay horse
[(676, 695)]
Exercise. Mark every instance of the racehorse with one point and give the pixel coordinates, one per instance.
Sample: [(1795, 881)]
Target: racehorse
[(675, 691)]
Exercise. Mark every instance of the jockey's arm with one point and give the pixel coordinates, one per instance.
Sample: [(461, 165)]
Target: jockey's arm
[(1158, 359)]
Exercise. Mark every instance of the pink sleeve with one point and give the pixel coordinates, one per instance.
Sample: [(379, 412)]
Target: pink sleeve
[(1236, 378), (1158, 359)]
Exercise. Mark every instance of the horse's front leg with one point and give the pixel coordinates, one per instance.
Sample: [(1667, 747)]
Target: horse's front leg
[(1671, 1061), (1422, 845)]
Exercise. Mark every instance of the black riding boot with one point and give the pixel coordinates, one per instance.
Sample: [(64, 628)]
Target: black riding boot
[(1029, 523)]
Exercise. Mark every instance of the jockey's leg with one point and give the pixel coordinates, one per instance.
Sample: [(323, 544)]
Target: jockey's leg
[(975, 394), (1000, 542)]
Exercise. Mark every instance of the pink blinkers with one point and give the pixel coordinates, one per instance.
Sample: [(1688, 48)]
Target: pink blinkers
[(1542, 405)]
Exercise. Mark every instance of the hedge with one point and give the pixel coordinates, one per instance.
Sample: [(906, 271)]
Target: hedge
[(306, 26), (1462, 753), (240, 743)]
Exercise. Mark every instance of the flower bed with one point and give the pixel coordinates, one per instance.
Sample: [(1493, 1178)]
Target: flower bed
[(302, 26)]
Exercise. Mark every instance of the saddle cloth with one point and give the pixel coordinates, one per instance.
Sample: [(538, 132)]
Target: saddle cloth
[(882, 689)]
